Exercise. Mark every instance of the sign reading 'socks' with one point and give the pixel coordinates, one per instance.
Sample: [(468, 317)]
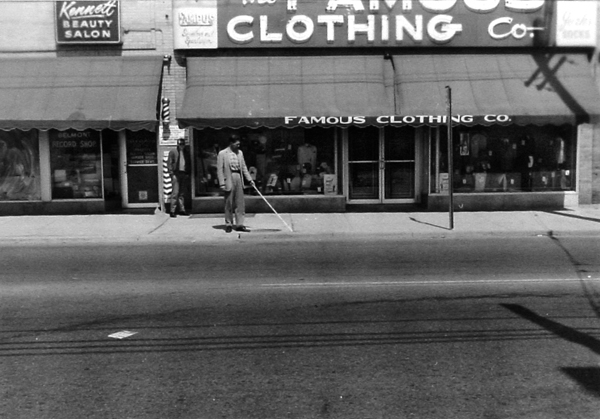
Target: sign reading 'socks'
[(88, 22), (204, 24)]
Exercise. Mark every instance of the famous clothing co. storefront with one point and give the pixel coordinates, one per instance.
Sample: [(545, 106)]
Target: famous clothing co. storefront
[(77, 135), (344, 103)]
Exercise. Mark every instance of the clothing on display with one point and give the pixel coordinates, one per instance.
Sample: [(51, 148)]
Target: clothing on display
[(307, 153)]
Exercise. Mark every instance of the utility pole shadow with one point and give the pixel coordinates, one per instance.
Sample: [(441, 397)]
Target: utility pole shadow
[(587, 377), (565, 332), (429, 224)]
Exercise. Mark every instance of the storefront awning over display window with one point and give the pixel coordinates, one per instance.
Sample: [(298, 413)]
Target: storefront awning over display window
[(272, 92), (80, 93), (496, 89), (326, 91)]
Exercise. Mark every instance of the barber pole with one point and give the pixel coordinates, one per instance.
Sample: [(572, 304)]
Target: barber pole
[(166, 111), (167, 181)]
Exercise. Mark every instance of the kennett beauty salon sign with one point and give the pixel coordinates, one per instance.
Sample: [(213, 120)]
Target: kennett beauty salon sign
[(381, 23), (88, 22)]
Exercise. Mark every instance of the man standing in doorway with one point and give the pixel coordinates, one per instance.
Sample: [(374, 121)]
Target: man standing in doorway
[(179, 166), (231, 171)]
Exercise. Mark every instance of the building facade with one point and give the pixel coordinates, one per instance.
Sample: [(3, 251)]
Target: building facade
[(340, 104), (82, 85)]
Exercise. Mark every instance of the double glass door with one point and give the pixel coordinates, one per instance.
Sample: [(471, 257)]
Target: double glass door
[(381, 165)]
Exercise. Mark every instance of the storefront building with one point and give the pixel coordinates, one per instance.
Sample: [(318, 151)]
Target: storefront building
[(344, 105), (341, 104), (81, 88)]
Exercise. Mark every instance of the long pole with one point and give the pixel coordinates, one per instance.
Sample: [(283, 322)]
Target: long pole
[(273, 209), (450, 162)]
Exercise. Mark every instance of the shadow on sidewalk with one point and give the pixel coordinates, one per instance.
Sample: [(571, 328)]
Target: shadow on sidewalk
[(578, 217), (429, 224)]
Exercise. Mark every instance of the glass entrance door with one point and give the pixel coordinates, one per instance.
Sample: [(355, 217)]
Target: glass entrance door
[(363, 163), (139, 177), (381, 165)]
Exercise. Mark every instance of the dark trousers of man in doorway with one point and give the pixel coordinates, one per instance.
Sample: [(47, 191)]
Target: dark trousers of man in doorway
[(180, 184)]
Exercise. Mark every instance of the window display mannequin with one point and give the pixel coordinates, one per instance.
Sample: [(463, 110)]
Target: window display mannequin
[(307, 153), (509, 155), (560, 152), (306, 176), (478, 143), (208, 166), (525, 161), (324, 169), (296, 183), (261, 156)]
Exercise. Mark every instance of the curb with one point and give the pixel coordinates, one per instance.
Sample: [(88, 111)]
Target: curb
[(218, 239)]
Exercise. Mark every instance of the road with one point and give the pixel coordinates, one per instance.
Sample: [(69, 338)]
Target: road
[(434, 328)]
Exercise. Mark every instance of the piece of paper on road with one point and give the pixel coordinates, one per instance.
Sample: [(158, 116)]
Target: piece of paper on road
[(121, 335)]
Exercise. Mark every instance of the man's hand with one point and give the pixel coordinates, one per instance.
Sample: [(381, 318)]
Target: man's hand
[(222, 187)]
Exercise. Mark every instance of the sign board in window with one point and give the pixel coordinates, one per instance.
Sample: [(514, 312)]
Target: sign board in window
[(141, 149), (88, 22)]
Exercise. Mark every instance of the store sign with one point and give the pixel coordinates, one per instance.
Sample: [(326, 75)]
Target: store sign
[(394, 120), (196, 28), (88, 22), (576, 23), (201, 24)]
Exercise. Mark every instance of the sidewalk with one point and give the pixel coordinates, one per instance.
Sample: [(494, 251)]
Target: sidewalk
[(159, 227)]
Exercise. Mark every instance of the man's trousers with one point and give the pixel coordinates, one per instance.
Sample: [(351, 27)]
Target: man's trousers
[(234, 202), (180, 181)]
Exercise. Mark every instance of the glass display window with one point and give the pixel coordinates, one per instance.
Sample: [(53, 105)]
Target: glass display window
[(76, 164), (19, 166), (505, 159), (281, 161)]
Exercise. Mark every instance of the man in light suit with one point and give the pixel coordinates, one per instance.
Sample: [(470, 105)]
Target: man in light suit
[(231, 171)]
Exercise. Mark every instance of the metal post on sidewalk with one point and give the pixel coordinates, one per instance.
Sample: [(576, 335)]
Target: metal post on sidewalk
[(450, 160)]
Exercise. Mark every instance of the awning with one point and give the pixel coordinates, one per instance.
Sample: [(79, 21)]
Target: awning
[(499, 89), (263, 91), (80, 93), (528, 89)]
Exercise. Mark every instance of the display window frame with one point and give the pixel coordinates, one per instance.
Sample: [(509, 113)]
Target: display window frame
[(20, 166), (78, 180), (516, 159), (279, 172)]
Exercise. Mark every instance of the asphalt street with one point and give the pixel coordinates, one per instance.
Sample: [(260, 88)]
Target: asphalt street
[(433, 328)]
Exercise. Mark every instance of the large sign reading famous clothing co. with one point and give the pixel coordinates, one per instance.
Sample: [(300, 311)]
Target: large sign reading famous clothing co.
[(380, 23), (88, 22)]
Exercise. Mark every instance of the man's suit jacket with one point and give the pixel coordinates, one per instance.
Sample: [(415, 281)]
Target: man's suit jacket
[(172, 160), (224, 169)]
